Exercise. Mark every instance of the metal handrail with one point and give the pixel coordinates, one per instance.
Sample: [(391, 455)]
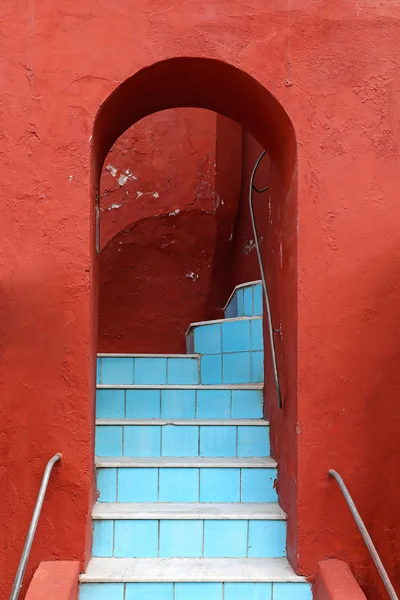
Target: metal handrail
[(32, 528), (365, 535), (271, 330)]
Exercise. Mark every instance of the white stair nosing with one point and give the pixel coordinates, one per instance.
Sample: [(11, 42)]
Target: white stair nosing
[(177, 386), (240, 286), (220, 321), (185, 422), (188, 570), (196, 462), (138, 355), (188, 511)]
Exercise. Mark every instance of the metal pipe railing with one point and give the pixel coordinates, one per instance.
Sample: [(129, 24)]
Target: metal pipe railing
[(365, 535), (271, 330), (19, 577)]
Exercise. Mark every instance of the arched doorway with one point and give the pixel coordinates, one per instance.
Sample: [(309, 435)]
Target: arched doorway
[(220, 87)]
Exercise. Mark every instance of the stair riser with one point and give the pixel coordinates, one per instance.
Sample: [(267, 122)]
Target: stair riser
[(195, 591), (214, 368), (179, 404), (186, 485), (232, 368), (189, 538), (241, 335), (245, 302), (190, 440), (148, 370)]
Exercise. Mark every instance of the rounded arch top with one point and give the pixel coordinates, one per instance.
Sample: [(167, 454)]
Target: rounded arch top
[(200, 83)]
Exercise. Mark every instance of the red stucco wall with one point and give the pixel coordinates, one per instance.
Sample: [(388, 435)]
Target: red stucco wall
[(334, 69), (166, 221)]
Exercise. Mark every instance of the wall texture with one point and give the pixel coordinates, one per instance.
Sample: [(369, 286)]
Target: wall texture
[(167, 213), (334, 68)]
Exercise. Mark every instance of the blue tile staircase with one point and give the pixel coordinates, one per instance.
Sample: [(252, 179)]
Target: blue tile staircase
[(187, 507)]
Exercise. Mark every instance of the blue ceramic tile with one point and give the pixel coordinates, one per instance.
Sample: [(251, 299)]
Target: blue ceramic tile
[(178, 404), (117, 370), (225, 539), (292, 591), (136, 539), (179, 485), (258, 485), (184, 371), (248, 301), (253, 441), (149, 591), (267, 539), (247, 404), (257, 342), (143, 404), (231, 309), (181, 539), (110, 404), (219, 485), (257, 367), (107, 485), (236, 336), (101, 591), (180, 440), (240, 302), (102, 538), (258, 300), (237, 367), (98, 370), (198, 591), (218, 440), (150, 371), (207, 339), (137, 485), (142, 440), (213, 404), (211, 369), (108, 440), (248, 591)]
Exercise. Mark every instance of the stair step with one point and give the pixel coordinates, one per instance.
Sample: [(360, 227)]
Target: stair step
[(178, 403), (185, 437), (101, 570), (149, 368), (185, 422), (216, 511), (172, 462), (245, 300)]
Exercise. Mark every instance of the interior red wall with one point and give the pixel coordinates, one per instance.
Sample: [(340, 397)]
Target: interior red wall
[(166, 219), (333, 67)]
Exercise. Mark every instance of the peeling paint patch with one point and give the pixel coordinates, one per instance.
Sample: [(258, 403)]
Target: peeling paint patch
[(138, 194), (193, 276), (156, 195), (70, 178), (114, 206), (174, 213), (249, 247), (112, 170)]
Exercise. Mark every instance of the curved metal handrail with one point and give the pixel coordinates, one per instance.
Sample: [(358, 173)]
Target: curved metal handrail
[(365, 535), (271, 330), (32, 528)]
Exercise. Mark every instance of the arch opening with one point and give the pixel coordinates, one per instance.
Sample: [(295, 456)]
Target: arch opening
[(219, 87)]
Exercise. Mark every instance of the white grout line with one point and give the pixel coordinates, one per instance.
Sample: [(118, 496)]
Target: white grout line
[(227, 386)]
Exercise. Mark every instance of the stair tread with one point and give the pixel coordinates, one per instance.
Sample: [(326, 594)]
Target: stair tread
[(178, 386), (178, 422), (188, 511), (139, 355), (103, 570), (190, 461)]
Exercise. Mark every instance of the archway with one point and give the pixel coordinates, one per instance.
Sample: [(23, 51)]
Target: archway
[(217, 86)]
